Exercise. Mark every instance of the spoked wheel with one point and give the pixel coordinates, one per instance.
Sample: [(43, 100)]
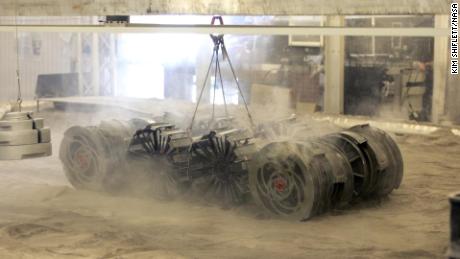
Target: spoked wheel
[(282, 187), (158, 144), (94, 157), (224, 177), (282, 180)]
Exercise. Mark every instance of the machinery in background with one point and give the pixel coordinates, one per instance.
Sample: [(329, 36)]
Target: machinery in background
[(57, 85), (416, 92), (366, 84), (373, 86), (23, 136)]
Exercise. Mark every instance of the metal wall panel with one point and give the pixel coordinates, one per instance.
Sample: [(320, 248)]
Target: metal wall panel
[(39, 53)]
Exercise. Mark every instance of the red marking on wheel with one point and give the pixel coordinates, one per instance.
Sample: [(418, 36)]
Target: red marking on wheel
[(83, 159), (280, 184)]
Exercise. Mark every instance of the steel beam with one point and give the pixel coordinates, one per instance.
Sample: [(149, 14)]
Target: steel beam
[(236, 30)]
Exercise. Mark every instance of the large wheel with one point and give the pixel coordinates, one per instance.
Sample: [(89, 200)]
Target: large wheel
[(86, 164), (375, 158), (94, 158), (286, 182), (337, 164), (223, 176), (353, 146), (300, 180), (389, 165)]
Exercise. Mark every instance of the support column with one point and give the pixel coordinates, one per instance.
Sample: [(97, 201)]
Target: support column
[(114, 63), (440, 70), (334, 68), (95, 64), (81, 90)]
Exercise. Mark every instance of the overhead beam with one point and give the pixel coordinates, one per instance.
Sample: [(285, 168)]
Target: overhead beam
[(238, 30), (221, 7)]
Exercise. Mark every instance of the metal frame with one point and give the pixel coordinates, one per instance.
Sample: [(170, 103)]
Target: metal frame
[(234, 29)]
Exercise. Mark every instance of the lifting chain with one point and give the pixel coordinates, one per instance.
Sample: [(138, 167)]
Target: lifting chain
[(219, 45)]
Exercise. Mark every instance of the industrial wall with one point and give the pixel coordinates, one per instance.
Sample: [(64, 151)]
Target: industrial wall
[(39, 53), (124, 69)]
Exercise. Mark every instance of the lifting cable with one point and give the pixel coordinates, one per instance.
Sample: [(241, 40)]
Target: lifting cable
[(18, 75), (219, 44), (223, 91), (215, 83)]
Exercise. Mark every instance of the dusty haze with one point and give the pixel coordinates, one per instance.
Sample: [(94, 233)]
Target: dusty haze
[(42, 216)]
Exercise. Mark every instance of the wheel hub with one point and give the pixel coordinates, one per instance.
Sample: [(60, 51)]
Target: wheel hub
[(82, 159), (280, 184)]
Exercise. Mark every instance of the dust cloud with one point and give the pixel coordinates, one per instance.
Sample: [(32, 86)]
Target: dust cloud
[(145, 177), (42, 216)]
